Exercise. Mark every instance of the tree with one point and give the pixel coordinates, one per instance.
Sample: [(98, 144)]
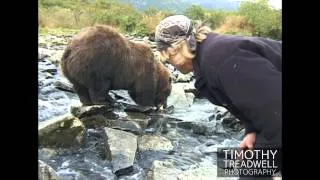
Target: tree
[(266, 21), (195, 12)]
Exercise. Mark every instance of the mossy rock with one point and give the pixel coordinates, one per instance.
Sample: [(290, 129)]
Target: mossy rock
[(61, 132)]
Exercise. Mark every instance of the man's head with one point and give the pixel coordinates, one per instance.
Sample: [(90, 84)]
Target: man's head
[(173, 29), (176, 41)]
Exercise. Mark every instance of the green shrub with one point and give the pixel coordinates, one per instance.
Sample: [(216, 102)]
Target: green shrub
[(253, 18)]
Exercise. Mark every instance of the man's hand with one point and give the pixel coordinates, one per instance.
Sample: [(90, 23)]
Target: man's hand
[(248, 141)]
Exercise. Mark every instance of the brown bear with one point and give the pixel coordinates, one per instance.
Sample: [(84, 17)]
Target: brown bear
[(100, 58)]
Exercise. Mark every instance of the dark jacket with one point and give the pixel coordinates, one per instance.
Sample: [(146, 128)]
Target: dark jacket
[(244, 75)]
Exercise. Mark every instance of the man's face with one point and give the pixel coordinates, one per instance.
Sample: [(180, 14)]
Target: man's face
[(183, 64)]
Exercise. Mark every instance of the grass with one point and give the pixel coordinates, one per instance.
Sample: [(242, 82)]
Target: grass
[(58, 31)]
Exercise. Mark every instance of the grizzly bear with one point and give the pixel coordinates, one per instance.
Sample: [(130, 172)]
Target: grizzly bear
[(100, 58)]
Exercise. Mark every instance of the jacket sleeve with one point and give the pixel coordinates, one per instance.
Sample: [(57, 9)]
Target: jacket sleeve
[(249, 128), (254, 86)]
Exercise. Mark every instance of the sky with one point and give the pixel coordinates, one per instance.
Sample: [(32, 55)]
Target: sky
[(276, 3)]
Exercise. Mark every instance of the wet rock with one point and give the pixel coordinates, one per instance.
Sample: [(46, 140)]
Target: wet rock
[(190, 98), (154, 143), (111, 120), (86, 111), (68, 174), (221, 115), (203, 173), (56, 56), (121, 148), (44, 53), (178, 97), (47, 153), (45, 172), (140, 118), (163, 170), (146, 158), (146, 39), (220, 110), (51, 71), (157, 125), (207, 128), (168, 110), (184, 77), (240, 135), (128, 126), (94, 121), (41, 56), (230, 121), (171, 68), (122, 96), (185, 124), (64, 86), (62, 131), (134, 108), (225, 143)]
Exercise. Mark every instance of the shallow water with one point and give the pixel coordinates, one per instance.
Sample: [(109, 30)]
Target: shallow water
[(191, 148)]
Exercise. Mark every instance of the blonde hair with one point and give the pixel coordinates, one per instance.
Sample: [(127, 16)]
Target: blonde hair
[(201, 31)]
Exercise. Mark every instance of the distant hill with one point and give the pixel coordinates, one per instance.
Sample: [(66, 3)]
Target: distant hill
[(179, 6)]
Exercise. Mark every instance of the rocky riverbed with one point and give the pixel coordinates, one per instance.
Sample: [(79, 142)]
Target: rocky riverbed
[(128, 142)]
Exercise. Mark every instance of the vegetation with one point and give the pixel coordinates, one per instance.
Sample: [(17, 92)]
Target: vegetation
[(253, 18)]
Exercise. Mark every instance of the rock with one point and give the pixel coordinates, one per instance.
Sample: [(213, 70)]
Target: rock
[(184, 77), (122, 96), (220, 110), (62, 131), (163, 170), (128, 126), (51, 71), (47, 153), (64, 86), (68, 174), (142, 119), (202, 173), (172, 69), (86, 111), (134, 108), (146, 39), (154, 143), (158, 125), (190, 98), (185, 124), (121, 149), (230, 121), (178, 97), (56, 56), (94, 121), (189, 88), (45, 172), (207, 128), (221, 115), (44, 53)]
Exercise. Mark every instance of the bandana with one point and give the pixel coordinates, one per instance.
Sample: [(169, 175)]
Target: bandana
[(175, 28)]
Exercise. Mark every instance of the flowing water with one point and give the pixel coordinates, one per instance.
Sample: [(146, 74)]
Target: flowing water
[(194, 146)]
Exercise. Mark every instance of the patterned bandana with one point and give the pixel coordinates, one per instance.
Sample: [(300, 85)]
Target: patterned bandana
[(175, 28)]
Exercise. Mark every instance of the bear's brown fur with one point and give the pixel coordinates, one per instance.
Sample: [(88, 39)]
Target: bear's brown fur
[(99, 59)]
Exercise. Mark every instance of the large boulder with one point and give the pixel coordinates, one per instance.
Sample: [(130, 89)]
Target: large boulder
[(63, 131)]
